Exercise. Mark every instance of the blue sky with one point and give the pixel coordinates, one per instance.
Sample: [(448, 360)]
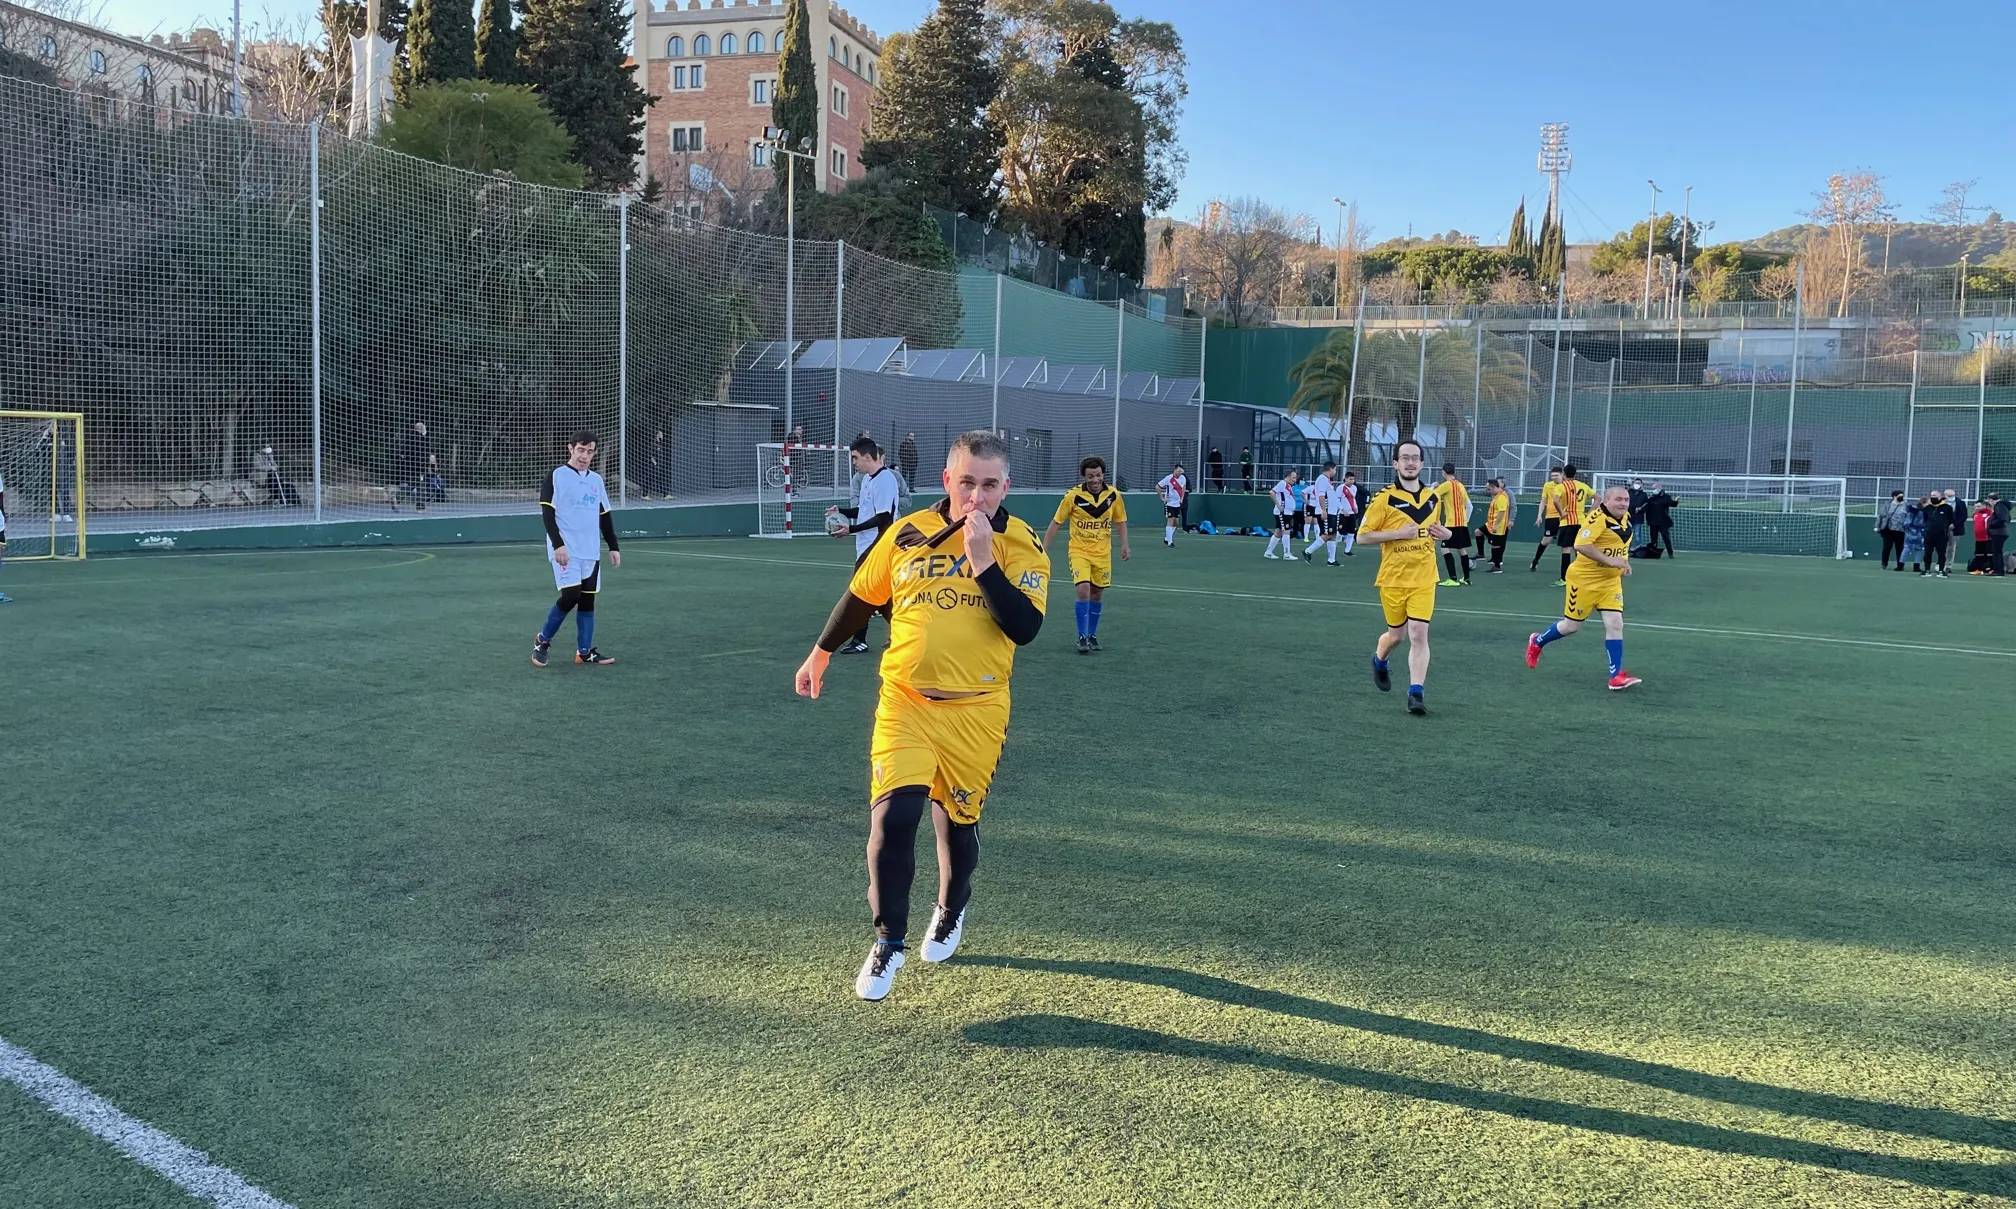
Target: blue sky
[(1429, 117)]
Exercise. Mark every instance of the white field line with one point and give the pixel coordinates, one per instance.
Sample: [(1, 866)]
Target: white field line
[(1768, 635), (185, 1167)]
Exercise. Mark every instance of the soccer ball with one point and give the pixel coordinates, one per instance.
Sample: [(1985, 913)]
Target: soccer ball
[(836, 524)]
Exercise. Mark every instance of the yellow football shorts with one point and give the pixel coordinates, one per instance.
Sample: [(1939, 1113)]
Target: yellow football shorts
[(1593, 596), (1402, 605), (1096, 570), (951, 746)]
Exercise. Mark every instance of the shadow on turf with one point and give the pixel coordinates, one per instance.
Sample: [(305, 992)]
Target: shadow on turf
[(1071, 1032), (1869, 1114)]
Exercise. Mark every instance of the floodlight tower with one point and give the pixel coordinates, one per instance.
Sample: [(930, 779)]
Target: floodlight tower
[(1555, 162)]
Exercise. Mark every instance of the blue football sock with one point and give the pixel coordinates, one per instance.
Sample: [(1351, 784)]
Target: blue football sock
[(1553, 634), (1413, 688), (584, 630), (1616, 648), (554, 616), (1378, 663), (1082, 610), (1092, 610)]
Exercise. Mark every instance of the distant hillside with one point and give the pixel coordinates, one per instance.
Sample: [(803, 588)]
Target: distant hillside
[(1920, 244)]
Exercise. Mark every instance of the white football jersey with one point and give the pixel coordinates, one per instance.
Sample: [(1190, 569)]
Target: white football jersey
[(878, 495), (1284, 498), (579, 500), (1323, 497), (1173, 488)]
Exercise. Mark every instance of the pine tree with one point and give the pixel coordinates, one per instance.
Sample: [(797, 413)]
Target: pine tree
[(498, 44), (1519, 244), (1552, 252), (795, 106), (440, 42), (931, 124), (574, 53)]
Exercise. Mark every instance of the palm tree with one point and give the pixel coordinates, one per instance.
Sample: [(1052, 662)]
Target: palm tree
[(1395, 382)]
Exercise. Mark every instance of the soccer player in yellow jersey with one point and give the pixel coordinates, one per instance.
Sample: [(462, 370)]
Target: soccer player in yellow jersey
[(1596, 583), (1577, 503), (965, 582), (1094, 510), (1498, 523), (1550, 516), (1455, 500), (1404, 521)]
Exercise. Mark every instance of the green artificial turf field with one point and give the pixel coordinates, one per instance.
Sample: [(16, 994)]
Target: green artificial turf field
[(306, 866)]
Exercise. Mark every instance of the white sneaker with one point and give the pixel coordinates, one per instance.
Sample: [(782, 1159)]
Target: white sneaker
[(1270, 554), (942, 941), (872, 983)]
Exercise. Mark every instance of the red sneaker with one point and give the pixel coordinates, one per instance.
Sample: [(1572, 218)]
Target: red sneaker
[(1533, 650), (1623, 680)]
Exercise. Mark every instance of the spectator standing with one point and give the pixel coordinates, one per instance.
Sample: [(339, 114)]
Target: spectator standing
[(1246, 467), (1978, 522), (906, 458), (1914, 535), (416, 464), (1959, 507), (1214, 469), (1638, 498), (1890, 526), (1659, 508), (1939, 526), (1998, 533)]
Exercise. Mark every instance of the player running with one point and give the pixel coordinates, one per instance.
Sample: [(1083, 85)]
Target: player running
[(1174, 487), (1284, 515), (966, 582), (1401, 521), (1095, 512), (1596, 583), (575, 506), (1455, 500), (1550, 516)]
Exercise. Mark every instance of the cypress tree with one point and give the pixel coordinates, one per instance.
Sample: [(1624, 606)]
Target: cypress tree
[(795, 106), (574, 53), (1553, 251), (440, 42), (498, 44), (931, 123), (1519, 244)]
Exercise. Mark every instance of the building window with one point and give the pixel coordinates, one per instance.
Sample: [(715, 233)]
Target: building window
[(694, 77), (871, 73), (98, 62), (839, 164), (678, 77), (756, 42), (48, 47), (676, 48), (700, 45), (759, 90), (839, 101), (688, 138), (3, 37), (144, 80), (778, 41), (727, 44), (759, 155), (832, 48)]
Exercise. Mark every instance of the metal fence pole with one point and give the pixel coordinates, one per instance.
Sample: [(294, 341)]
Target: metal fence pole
[(1203, 354), (623, 349), (1609, 403), (1910, 427), (1477, 408), (1981, 416), (1792, 396), (1554, 376), (1119, 371), (1351, 388), (1526, 414), (315, 309), (1421, 379), (994, 417), (840, 346), (1568, 425)]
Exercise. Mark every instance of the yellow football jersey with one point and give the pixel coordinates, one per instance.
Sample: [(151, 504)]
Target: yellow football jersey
[(1608, 534), (1577, 501), (1091, 519), (1455, 502), (1550, 500), (1409, 562), (941, 635), (1498, 518)]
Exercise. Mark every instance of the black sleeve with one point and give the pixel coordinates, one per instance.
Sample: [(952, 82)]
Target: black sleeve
[(849, 513), (874, 524), (1016, 614), (846, 621), (547, 514), (609, 529)]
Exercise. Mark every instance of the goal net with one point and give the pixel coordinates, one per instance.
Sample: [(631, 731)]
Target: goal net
[(795, 485), (42, 483), (1752, 514), (1524, 466)]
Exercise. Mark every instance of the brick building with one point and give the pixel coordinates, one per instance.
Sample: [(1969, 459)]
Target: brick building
[(714, 72)]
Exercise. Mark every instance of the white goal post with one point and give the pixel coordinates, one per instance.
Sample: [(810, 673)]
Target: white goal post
[(1751, 513), (42, 484), (794, 486)]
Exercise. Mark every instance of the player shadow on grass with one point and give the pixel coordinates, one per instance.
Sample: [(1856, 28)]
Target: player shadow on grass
[(1869, 1114), (1071, 1032)]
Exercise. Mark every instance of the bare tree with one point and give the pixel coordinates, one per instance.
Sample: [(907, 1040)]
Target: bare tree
[(1243, 251), (1778, 283), (1850, 202), (1952, 208)]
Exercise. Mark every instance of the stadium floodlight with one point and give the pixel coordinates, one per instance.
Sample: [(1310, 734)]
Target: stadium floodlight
[(1651, 219)]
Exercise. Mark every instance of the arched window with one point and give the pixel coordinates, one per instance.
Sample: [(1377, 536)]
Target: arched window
[(676, 48), (727, 44), (756, 42), (98, 62), (48, 47), (778, 41), (700, 45), (143, 79), (832, 48)]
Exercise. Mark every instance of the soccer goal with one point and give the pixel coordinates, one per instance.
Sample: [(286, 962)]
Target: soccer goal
[(795, 485), (42, 482), (1752, 514), (1524, 467)]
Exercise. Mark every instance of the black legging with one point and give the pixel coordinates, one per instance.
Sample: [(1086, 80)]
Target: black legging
[(892, 858), (1893, 542), (1937, 543), (1662, 533)]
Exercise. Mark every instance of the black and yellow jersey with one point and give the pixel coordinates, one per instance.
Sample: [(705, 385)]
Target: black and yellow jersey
[(941, 635), (1091, 519), (1608, 534), (1408, 562), (1498, 517)]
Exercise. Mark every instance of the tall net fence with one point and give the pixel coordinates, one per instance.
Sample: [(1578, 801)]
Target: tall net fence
[(272, 323)]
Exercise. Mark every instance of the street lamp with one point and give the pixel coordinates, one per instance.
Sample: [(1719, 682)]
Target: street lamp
[(779, 142), (1337, 287), (1651, 220)]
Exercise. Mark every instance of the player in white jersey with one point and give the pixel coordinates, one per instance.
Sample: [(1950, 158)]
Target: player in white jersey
[(1324, 500), (574, 503), (1284, 515), (6, 599), (1173, 488), (879, 491)]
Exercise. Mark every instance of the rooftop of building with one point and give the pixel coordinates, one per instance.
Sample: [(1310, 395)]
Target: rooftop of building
[(672, 12)]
